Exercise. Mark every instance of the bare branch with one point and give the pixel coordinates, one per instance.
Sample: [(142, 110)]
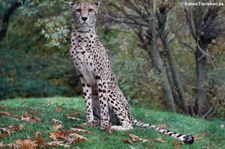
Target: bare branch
[(133, 18), (187, 45), (208, 112), (146, 4), (124, 20), (190, 21), (133, 5)]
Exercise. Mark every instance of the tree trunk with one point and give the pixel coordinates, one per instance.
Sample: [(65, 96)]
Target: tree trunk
[(175, 74), (201, 76), (158, 62), (5, 21)]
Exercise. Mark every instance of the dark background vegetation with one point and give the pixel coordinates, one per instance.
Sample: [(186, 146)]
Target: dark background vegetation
[(166, 56)]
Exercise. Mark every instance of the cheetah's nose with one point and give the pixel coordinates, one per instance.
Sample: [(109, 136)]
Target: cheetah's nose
[(84, 18)]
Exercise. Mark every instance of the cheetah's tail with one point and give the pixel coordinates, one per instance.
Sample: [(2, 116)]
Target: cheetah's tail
[(187, 139)]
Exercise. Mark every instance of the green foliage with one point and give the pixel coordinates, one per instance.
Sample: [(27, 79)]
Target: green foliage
[(55, 28), (27, 75), (29, 68), (209, 134)]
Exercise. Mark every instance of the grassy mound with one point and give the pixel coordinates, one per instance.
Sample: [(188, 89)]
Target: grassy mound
[(38, 122)]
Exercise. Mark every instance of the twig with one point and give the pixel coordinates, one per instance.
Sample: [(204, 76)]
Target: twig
[(194, 87), (187, 45), (207, 113), (208, 56), (203, 52)]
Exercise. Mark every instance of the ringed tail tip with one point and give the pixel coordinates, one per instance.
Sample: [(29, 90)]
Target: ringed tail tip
[(189, 139)]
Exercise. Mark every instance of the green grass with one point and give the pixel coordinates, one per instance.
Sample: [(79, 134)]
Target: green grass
[(213, 136)]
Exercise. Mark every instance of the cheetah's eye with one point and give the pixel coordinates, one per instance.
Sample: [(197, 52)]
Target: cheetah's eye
[(78, 10), (90, 10)]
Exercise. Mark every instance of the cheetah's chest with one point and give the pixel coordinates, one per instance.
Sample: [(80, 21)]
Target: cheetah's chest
[(84, 60)]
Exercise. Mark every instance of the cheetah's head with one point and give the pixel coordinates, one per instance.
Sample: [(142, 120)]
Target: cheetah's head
[(85, 13)]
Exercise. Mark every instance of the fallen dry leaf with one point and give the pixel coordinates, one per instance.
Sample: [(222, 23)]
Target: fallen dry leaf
[(58, 110), (78, 126), (77, 137), (152, 145), (68, 140), (10, 145), (57, 127), (58, 143), (205, 147), (95, 124), (163, 126), (2, 107), (39, 140), (73, 116), (160, 140), (31, 119), (11, 129), (80, 130), (55, 121), (4, 114), (9, 114), (25, 115), (17, 127), (35, 119), (65, 139), (197, 138), (203, 134), (28, 118), (4, 134), (127, 141), (134, 138), (143, 140), (58, 134), (177, 145), (38, 133), (26, 144)]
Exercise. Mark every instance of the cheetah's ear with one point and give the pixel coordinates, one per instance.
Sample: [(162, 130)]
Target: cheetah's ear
[(71, 4), (97, 4)]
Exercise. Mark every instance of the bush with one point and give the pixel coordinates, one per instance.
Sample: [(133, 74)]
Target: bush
[(33, 75)]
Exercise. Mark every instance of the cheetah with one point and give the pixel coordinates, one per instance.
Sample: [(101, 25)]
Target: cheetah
[(96, 75)]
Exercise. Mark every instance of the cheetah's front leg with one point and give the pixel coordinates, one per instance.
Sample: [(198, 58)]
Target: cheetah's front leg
[(104, 107), (87, 93)]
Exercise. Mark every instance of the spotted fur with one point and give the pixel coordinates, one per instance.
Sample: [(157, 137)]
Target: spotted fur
[(95, 70)]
